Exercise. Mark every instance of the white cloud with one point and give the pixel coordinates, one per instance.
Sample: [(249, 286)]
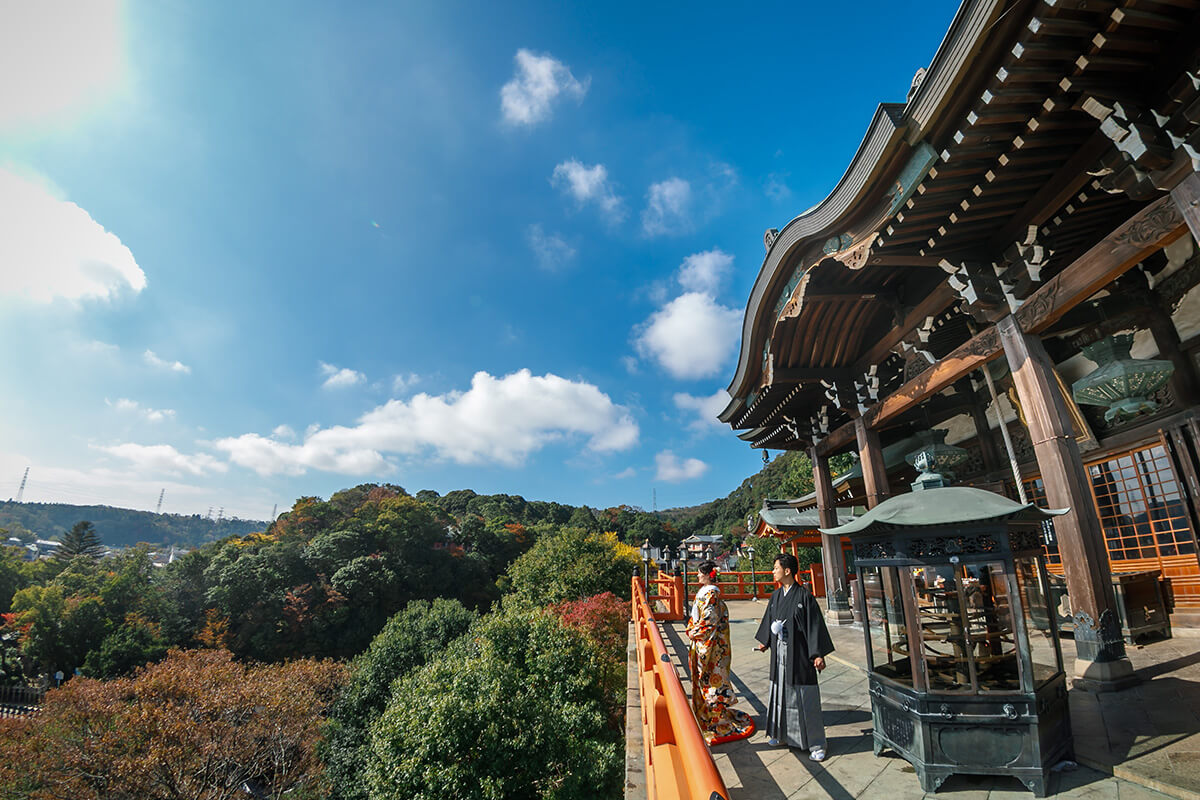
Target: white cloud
[(630, 363), (672, 470), (690, 337), (283, 432), (705, 408), (150, 414), (57, 55), (776, 187), (588, 185), (161, 363), (496, 421), (536, 84), (402, 383), (704, 272), (668, 207), (551, 250), (340, 377), (628, 472), (52, 249), (165, 458)]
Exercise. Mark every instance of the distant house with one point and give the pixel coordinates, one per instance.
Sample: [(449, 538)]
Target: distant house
[(46, 548), (698, 545)]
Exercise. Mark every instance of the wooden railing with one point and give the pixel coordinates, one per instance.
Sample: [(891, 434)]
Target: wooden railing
[(678, 763), (20, 701)]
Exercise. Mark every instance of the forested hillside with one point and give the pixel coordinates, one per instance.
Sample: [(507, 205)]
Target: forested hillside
[(443, 612), (120, 527), (789, 475)]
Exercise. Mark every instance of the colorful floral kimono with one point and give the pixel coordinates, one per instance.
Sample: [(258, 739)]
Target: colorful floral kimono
[(708, 658)]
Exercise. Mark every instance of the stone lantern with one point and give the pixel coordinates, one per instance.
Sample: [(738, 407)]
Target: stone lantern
[(965, 667)]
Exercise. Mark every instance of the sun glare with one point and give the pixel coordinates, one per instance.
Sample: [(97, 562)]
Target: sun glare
[(59, 57)]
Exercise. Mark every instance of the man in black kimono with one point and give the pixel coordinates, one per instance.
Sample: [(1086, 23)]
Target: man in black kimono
[(793, 627)]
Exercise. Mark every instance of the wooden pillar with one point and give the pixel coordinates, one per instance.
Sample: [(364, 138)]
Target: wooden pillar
[(870, 456), (983, 430), (833, 560), (1187, 199), (1166, 337), (1101, 663)]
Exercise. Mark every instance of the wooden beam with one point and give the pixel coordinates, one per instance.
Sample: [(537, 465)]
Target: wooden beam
[(811, 375), (832, 558), (1079, 532), (1187, 199), (884, 259), (933, 304), (1154, 227), (870, 457), (828, 296), (1065, 184)]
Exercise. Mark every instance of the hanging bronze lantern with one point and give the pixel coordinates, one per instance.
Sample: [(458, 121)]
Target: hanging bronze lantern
[(1120, 383), (933, 459)]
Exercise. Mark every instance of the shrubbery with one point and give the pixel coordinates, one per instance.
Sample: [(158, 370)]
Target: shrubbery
[(569, 565), (411, 638), (513, 709)]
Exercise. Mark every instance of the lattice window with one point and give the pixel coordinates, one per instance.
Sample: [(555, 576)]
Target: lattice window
[(1140, 503), (1141, 506)]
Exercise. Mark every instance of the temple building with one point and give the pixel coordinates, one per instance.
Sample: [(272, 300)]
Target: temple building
[(1007, 274)]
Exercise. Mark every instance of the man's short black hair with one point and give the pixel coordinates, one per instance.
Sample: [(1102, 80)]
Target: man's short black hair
[(788, 562)]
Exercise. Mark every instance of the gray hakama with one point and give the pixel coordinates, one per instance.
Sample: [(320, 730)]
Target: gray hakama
[(794, 704)]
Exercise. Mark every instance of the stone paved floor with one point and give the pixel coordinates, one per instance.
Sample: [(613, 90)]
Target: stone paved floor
[(1153, 715)]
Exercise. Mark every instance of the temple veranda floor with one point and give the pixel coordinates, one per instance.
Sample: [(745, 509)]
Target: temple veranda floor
[(1138, 743)]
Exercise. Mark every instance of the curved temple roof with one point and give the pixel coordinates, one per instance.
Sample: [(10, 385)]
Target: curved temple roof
[(885, 136), (1011, 162)]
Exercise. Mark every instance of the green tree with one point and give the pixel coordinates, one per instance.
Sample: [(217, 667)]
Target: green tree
[(15, 574), (81, 540), (410, 639), (584, 519), (570, 565), (514, 709), (133, 644)]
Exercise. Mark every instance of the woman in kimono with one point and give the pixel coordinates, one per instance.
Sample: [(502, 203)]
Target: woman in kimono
[(793, 627), (708, 658)]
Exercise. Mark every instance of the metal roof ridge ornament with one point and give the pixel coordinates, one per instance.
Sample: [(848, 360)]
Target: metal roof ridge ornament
[(1120, 383), (769, 238)]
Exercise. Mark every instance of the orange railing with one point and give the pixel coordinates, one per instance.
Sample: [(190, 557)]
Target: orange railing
[(678, 763)]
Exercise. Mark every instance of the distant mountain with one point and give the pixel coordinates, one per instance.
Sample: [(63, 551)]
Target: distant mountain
[(788, 475), (120, 527)]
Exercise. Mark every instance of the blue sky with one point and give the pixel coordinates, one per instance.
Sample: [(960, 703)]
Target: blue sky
[(250, 252)]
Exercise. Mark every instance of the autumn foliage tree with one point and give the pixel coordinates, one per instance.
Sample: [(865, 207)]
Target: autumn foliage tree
[(197, 725)]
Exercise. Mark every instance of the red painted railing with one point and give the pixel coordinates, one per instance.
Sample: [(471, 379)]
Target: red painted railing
[(678, 763)]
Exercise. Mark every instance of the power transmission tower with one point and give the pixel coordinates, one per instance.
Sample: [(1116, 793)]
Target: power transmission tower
[(158, 510), (209, 514), (274, 512), (654, 500), (21, 491), (221, 514)]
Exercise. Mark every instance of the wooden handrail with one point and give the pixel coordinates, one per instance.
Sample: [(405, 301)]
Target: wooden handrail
[(679, 765)]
